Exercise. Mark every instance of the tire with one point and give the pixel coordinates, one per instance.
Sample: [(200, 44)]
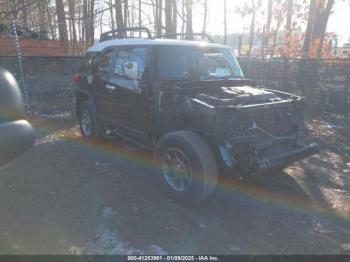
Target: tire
[(192, 157), (93, 129)]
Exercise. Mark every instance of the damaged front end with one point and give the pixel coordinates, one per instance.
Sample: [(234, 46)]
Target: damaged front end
[(254, 129)]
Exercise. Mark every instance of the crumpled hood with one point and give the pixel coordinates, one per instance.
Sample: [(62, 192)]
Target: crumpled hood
[(238, 95)]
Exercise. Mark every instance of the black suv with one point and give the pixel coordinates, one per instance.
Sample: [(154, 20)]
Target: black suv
[(190, 102)]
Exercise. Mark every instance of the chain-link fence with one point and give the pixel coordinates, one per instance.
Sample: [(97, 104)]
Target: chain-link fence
[(49, 82), (325, 83)]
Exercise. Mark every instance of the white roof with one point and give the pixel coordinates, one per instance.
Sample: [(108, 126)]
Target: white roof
[(142, 41)]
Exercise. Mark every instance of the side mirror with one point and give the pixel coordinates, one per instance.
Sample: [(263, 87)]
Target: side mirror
[(130, 70)]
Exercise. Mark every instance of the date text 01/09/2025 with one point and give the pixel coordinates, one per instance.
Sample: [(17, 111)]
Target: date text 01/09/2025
[(172, 258)]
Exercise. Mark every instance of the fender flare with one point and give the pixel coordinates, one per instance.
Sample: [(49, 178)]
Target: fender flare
[(90, 99)]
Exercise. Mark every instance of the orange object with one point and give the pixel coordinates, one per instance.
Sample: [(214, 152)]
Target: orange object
[(32, 47)]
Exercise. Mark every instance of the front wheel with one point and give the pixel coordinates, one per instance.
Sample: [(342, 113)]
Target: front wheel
[(88, 122), (187, 169)]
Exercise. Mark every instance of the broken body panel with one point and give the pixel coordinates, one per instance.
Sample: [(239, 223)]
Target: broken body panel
[(250, 128)]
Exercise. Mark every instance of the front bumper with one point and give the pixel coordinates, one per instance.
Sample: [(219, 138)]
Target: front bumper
[(266, 164), (15, 138)]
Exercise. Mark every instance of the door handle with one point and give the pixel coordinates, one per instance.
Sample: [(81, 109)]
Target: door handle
[(111, 88)]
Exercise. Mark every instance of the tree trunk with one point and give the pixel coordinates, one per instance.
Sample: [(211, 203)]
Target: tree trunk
[(92, 22), (119, 14), (322, 26), (72, 19), (43, 25), (111, 14), (319, 13), (87, 23), (24, 15), (159, 13), (205, 16), (183, 13), (252, 29), (168, 17), (289, 17), (126, 12), (50, 20), (189, 25), (174, 21), (62, 26), (140, 15), (84, 22), (225, 22), (269, 19), (309, 28)]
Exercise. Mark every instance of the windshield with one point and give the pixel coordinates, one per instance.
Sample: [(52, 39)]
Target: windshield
[(197, 63)]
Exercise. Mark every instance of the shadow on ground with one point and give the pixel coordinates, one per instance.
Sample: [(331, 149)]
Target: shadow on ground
[(70, 196)]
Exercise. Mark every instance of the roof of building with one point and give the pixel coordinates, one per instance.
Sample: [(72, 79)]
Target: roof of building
[(151, 42)]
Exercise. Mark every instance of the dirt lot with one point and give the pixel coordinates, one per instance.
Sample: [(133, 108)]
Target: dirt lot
[(68, 196)]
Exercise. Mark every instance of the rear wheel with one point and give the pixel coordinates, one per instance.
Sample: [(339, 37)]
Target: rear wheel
[(187, 169), (88, 121)]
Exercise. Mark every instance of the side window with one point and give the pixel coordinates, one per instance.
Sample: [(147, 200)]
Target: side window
[(104, 62), (131, 59)]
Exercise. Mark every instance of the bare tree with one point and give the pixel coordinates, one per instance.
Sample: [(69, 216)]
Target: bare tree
[(126, 12), (289, 17), (159, 14), (43, 25), (321, 26), (269, 17), (92, 22), (319, 12), (72, 21), (250, 9), (51, 21), (111, 14), (62, 25), (24, 13), (252, 27), (119, 14), (170, 17), (189, 23), (225, 22), (205, 5), (84, 23)]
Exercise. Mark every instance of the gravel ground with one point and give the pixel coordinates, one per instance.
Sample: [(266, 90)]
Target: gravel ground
[(67, 196)]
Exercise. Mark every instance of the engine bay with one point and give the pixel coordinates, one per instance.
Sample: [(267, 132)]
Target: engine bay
[(236, 96)]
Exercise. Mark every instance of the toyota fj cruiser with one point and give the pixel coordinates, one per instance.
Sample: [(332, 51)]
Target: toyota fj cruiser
[(190, 102)]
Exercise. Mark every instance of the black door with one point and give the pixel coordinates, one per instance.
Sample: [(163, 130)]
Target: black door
[(102, 88), (130, 95)]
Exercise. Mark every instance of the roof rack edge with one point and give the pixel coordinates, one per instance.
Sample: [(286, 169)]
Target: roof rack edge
[(120, 33), (203, 35)]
